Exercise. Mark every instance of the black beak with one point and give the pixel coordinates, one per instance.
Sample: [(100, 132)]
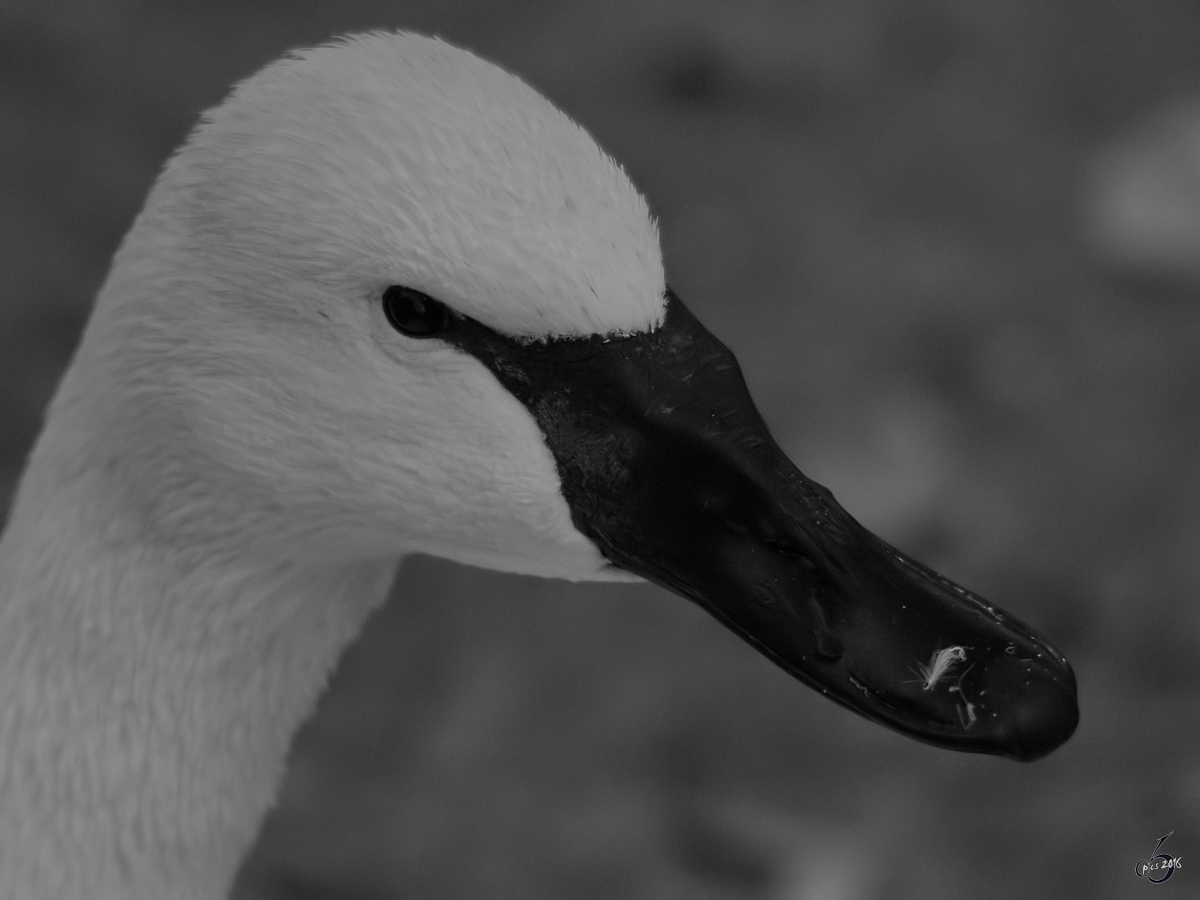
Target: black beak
[(667, 465)]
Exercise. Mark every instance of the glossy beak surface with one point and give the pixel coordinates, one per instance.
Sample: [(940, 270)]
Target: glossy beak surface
[(668, 467)]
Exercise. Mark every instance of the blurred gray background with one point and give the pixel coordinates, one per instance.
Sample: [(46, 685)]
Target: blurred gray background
[(956, 247)]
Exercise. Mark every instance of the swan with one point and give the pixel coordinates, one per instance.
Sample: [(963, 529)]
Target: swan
[(386, 299)]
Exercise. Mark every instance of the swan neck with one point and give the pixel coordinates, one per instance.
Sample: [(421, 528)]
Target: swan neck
[(148, 697)]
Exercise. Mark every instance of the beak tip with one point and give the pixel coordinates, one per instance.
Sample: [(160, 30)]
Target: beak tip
[(1042, 724)]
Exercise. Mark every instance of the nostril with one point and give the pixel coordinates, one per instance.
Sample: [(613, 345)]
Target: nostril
[(829, 647)]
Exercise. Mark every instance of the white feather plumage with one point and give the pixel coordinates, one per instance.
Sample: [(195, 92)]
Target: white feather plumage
[(242, 448)]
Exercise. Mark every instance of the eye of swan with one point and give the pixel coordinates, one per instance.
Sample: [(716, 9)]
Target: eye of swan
[(413, 313)]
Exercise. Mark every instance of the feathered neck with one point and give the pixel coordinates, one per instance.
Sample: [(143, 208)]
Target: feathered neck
[(147, 697)]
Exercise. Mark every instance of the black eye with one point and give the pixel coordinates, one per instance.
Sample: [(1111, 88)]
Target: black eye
[(413, 313)]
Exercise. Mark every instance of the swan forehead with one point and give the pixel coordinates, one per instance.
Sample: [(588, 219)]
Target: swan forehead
[(396, 158)]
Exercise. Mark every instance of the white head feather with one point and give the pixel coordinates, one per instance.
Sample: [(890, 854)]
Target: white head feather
[(238, 377), (395, 158)]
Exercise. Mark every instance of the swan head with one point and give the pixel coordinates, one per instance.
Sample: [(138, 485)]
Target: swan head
[(387, 299), (246, 306)]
